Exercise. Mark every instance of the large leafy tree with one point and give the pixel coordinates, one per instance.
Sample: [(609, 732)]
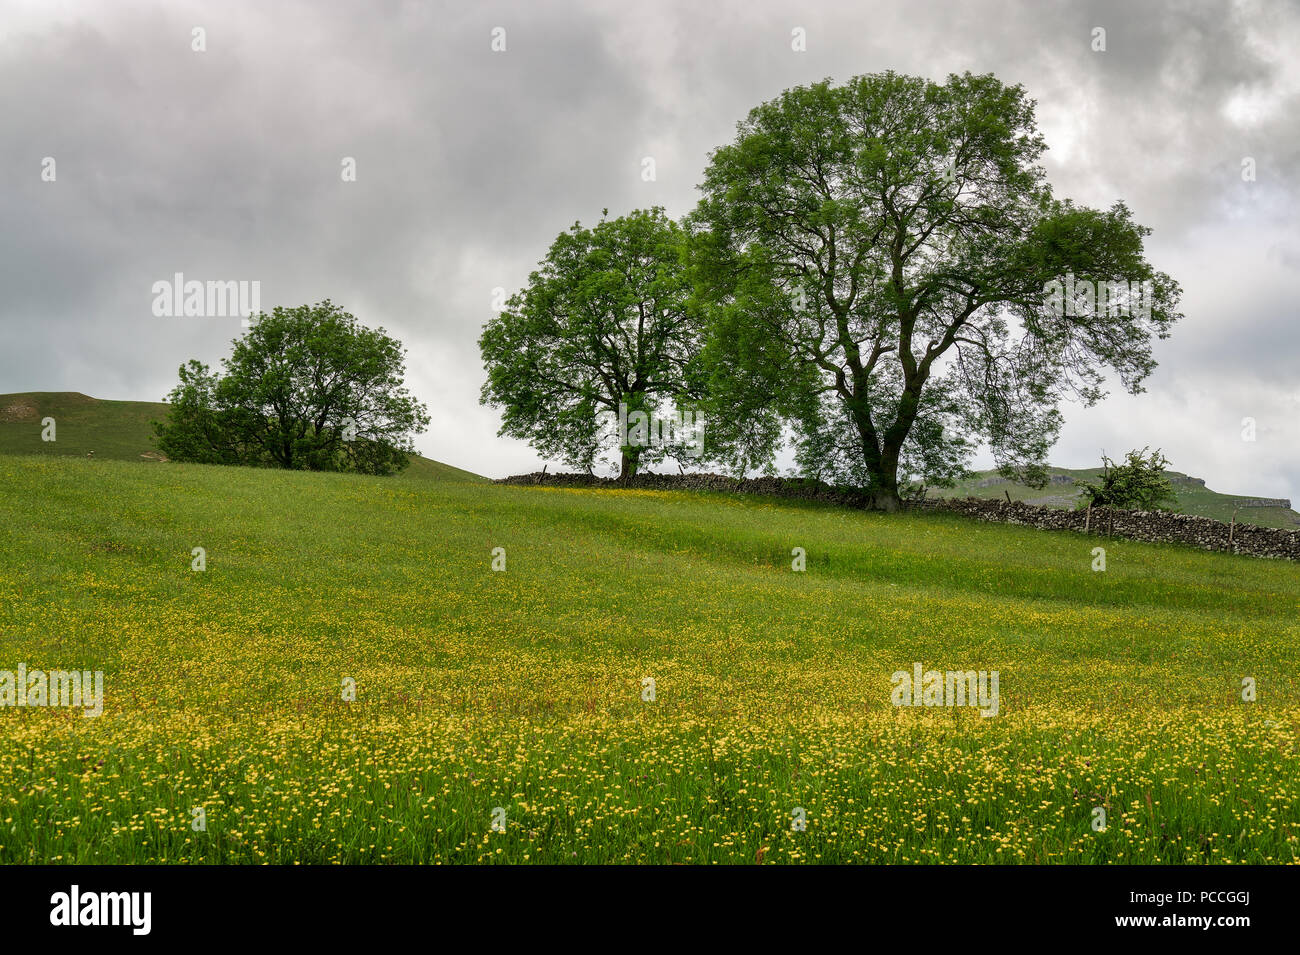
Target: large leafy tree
[(603, 322), (305, 388), (873, 260)]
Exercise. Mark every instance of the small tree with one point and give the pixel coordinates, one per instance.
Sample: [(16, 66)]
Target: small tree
[(1137, 484), (603, 323), (306, 388)]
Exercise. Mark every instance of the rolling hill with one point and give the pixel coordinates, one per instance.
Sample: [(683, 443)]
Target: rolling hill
[(121, 430), (118, 431)]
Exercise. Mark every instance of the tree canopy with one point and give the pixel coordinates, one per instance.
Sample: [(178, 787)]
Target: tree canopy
[(603, 324), (878, 271), (305, 388), (874, 261)]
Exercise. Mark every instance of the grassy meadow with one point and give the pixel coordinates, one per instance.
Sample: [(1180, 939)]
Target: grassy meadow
[(515, 697)]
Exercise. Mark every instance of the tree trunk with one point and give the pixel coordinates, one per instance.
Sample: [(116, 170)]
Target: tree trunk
[(881, 454), (885, 499), (627, 465), (884, 483)]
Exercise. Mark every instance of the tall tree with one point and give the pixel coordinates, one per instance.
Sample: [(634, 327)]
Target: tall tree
[(305, 388), (602, 323), (892, 242)]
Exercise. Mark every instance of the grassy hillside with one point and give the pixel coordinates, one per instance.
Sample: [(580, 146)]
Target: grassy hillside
[(427, 469), (1193, 496), (518, 696), (122, 431), (117, 430)]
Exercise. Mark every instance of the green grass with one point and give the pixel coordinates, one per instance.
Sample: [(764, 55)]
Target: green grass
[(523, 689), (118, 430), (1192, 498)]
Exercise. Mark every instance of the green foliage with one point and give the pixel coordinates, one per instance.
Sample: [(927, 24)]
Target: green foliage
[(603, 321), (1137, 484), (306, 388), (889, 243)]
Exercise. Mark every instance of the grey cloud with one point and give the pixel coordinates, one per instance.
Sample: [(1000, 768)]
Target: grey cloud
[(226, 165)]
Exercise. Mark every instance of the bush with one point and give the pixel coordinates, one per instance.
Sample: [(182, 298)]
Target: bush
[(1138, 484)]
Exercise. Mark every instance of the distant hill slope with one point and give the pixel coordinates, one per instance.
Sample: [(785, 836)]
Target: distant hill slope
[(430, 469), (119, 430), (1193, 496)]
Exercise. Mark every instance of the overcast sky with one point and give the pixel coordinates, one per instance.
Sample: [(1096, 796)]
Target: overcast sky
[(226, 165)]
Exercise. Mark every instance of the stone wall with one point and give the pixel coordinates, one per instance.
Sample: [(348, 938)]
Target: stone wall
[(1155, 526), (770, 486)]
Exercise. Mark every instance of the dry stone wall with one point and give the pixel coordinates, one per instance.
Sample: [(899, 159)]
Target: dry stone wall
[(1154, 526)]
